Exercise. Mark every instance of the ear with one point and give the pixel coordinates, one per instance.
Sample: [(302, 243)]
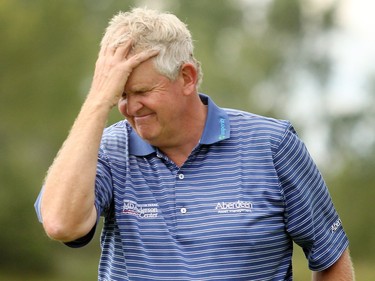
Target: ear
[(189, 77)]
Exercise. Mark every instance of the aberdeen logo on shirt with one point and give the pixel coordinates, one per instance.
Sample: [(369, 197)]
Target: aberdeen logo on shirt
[(140, 210), (234, 207)]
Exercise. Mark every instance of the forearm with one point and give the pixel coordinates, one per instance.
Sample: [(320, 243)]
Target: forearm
[(342, 270), (67, 205), (68, 200)]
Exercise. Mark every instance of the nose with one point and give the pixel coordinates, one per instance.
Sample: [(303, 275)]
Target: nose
[(133, 104), (129, 105)]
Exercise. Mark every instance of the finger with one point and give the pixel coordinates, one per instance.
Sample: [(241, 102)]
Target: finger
[(123, 49), (107, 49), (108, 45), (102, 50), (138, 58)]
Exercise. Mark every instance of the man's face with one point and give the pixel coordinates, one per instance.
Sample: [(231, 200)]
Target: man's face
[(152, 104)]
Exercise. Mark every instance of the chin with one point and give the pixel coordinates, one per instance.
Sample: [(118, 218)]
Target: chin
[(148, 133), (145, 136)]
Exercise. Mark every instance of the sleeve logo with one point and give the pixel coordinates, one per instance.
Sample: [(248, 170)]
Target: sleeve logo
[(335, 225)]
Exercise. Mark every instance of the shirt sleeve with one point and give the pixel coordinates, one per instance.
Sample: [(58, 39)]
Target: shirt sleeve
[(73, 244), (103, 185), (311, 219)]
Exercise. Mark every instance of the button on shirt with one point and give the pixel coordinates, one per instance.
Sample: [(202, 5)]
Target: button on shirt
[(231, 212)]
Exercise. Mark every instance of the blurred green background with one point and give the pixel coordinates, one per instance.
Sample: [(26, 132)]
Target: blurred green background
[(281, 58)]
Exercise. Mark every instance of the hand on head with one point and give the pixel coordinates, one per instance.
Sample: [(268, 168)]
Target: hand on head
[(113, 67)]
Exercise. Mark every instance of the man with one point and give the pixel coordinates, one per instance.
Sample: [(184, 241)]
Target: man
[(188, 190)]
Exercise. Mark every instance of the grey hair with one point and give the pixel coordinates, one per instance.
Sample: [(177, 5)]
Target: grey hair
[(150, 29)]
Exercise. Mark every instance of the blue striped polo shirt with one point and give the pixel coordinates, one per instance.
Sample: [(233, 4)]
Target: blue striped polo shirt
[(230, 212)]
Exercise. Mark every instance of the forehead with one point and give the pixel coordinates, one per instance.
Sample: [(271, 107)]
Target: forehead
[(144, 75)]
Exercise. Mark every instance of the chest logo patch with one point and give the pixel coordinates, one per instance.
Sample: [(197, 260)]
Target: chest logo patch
[(234, 207), (140, 210)]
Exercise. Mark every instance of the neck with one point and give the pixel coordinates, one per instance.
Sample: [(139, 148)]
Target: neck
[(188, 138)]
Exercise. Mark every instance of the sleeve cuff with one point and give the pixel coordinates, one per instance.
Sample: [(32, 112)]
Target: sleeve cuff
[(83, 241)]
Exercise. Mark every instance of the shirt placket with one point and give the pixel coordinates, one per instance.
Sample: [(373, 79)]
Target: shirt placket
[(181, 206), (181, 190)]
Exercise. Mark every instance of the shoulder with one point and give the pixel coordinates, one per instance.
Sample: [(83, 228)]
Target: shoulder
[(115, 131), (257, 125), (115, 137)]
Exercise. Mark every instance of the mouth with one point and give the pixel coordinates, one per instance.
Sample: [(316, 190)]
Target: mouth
[(143, 118)]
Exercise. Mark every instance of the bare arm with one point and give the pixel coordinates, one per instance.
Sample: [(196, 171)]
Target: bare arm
[(342, 270), (67, 206)]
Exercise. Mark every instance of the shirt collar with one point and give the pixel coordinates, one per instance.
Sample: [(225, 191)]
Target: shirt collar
[(217, 128)]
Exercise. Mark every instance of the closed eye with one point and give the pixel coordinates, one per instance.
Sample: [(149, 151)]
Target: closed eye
[(135, 92), (140, 92)]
